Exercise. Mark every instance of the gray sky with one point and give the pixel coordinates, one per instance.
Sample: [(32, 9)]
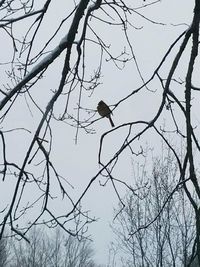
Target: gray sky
[(79, 162)]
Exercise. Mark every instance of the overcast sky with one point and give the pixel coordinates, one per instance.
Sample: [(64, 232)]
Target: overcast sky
[(79, 162)]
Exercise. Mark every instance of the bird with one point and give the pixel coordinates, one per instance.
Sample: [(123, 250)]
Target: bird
[(104, 110)]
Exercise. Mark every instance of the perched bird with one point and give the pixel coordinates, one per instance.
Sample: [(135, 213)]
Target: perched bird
[(105, 111)]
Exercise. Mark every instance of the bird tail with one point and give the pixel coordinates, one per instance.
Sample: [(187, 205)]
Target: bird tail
[(111, 121)]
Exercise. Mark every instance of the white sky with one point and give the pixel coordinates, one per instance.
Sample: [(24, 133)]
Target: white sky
[(79, 162)]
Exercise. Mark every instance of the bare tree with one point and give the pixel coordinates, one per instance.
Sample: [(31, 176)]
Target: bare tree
[(55, 250), (78, 253), (4, 252), (156, 227), (30, 62), (33, 58)]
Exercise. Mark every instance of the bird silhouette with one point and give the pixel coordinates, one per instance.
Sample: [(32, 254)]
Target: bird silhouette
[(104, 110)]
